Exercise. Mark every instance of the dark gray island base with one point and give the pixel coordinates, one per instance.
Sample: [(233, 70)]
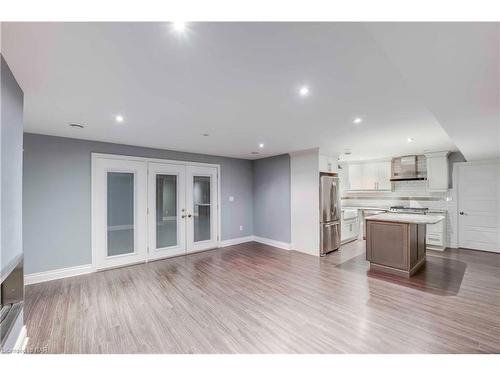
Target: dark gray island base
[(395, 243)]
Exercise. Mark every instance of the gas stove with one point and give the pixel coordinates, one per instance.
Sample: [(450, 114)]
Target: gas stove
[(408, 210)]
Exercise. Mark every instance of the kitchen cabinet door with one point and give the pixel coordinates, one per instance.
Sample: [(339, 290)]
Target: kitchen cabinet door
[(370, 176), (355, 176), (437, 171), (384, 175)]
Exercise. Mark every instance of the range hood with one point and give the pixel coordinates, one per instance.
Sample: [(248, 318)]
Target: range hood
[(409, 168)]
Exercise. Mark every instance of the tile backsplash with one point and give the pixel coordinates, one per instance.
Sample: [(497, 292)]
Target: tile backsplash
[(411, 194)]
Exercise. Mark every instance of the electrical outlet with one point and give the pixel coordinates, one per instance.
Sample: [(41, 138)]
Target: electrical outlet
[(241, 227)]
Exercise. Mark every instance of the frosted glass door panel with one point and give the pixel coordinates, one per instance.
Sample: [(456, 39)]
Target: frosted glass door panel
[(120, 213), (166, 210), (202, 208), (201, 205)]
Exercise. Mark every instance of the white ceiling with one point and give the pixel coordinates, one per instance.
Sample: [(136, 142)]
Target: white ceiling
[(239, 82)]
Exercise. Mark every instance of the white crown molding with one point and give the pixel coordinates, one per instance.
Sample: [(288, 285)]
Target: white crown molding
[(61, 273)]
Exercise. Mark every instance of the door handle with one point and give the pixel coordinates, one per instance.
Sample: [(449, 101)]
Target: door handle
[(190, 215), (461, 213)]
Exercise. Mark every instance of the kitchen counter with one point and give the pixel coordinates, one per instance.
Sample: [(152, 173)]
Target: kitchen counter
[(407, 218), (396, 243)]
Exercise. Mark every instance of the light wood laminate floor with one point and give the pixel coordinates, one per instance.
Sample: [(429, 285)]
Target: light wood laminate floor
[(253, 298)]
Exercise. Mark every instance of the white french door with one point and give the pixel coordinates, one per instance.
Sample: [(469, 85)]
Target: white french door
[(167, 212), (119, 212), (201, 206), (145, 210)]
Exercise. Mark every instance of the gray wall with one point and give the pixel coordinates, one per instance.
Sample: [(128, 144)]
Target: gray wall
[(271, 188), (11, 166), (56, 193)]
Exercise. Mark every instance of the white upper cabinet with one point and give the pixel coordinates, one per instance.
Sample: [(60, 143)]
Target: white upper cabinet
[(437, 171), (328, 164), (374, 176)]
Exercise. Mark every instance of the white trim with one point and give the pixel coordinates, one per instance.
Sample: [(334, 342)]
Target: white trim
[(267, 241), (21, 342), (235, 241), (152, 160), (61, 273), (96, 155)]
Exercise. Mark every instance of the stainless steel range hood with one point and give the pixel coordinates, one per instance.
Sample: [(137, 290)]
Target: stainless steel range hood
[(409, 168)]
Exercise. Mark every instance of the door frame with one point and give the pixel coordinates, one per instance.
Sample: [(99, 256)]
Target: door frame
[(457, 167), (93, 195)]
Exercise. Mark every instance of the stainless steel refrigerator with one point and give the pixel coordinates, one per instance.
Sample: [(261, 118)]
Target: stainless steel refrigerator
[(329, 203)]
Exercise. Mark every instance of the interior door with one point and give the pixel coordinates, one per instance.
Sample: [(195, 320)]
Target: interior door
[(201, 208), (479, 206), (167, 210), (119, 211)]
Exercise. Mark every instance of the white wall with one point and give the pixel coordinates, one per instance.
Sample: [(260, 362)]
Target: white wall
[(305, 201)]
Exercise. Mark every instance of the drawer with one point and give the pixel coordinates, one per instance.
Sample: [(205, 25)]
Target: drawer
[(433, 239)]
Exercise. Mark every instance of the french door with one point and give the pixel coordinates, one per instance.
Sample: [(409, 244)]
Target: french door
[(119, 212), (146, 210)]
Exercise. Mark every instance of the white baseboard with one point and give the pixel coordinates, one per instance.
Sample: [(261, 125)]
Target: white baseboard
[(267, 241), (21, 342), (235, 241), (61, 273)]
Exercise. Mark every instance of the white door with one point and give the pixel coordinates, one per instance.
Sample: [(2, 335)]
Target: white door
[(201, 208), (167, 210), (119, 212), (479, 206)]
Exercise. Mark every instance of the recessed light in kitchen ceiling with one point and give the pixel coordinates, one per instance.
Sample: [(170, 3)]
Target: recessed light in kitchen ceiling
[(304, 91), (357, 120), (119, 118), (179, 27), (409, 140), (261, 145)]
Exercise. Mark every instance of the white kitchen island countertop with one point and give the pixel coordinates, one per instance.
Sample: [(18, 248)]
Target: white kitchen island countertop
[(407, 218)]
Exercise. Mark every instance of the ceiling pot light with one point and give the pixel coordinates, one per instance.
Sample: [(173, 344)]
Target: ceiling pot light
[(357, 120), (179, 26), (304, 91), (410, 140), (261, 145), (119, 118)]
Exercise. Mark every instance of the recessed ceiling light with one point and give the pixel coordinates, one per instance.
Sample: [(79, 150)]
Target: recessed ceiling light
[(357, 120), (304, 91), (119, 118), (410, 140), (261, 145), (179, 26), (78, 126)]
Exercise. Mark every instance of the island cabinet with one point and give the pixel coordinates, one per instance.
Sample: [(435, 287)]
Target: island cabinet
[(395, 247)]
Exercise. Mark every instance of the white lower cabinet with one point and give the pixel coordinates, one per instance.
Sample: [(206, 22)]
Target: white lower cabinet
[(436, 236), (349, 230)]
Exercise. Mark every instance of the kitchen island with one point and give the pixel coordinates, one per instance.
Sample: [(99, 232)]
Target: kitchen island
[(395, 243)]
